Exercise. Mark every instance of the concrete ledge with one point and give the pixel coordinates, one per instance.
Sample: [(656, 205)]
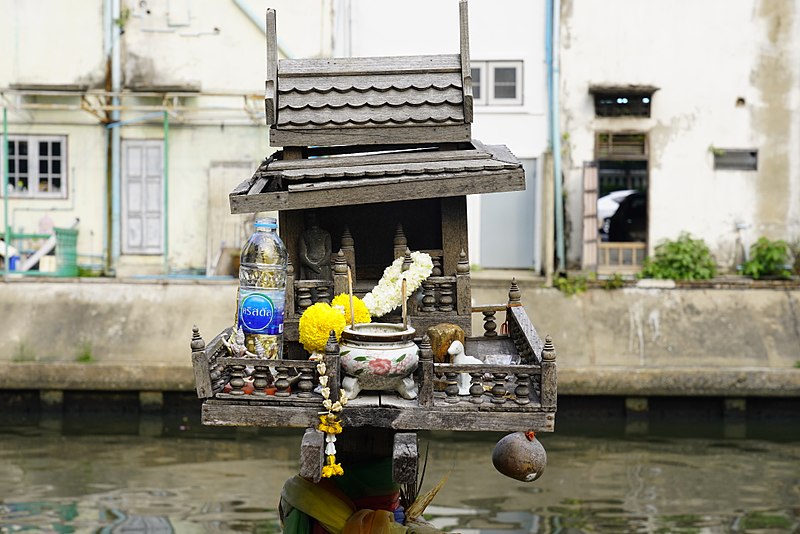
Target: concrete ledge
[(621, 381), (97, 377), (681, 381)]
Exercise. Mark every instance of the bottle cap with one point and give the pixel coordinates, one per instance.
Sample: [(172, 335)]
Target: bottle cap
[(266, 222)]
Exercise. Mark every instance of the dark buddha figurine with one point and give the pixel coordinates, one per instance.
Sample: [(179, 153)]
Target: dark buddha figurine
[(314, 251)]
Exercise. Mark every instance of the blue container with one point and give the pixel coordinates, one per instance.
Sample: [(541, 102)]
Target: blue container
[(12, 263)]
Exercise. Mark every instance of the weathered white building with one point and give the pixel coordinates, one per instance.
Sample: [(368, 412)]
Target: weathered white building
[(717, 151), (148, 112), (507, 51), (137, 117)]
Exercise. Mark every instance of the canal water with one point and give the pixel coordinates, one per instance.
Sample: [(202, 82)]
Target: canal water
[(172, 476)]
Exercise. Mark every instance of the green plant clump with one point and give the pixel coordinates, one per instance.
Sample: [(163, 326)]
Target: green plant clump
[(570, 286), (615, 282), (682, 259), (768, 258)]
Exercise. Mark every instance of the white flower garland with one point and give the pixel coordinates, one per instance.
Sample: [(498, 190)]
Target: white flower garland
[(387, 295)]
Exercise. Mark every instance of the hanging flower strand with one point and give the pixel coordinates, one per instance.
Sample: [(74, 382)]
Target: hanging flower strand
[(330, 423), (387, 295)]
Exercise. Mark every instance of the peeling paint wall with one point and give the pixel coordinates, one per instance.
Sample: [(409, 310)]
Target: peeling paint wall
[(703, 58), (159, 48)]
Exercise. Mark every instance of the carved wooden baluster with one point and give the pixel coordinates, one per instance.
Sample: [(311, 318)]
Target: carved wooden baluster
[(489, 324), (536, 382), (445, 297), (437, 266), (237, 379), (522, 392), (499, 390), (303, 299), (400, 243), (425, 372), (476, 388), (549, 387), (260, 378), (428, 296), (282, 381), (305, 384), (451, 389), (324, 294)]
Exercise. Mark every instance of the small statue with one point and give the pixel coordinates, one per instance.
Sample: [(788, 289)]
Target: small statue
[(456, 351), (314, 249), (236, 345)]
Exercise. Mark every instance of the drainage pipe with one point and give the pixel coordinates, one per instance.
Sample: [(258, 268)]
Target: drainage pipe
[(553, 21), (116, 85), (7, 235), (166, 193)]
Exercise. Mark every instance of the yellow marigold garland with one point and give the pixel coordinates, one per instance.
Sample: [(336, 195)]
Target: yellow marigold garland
[(316, 324), (361, 312), (329, 423)]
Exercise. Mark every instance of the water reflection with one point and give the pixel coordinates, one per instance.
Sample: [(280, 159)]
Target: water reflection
[(211, 480)]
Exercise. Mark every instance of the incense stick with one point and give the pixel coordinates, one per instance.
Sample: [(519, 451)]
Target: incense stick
[(350, 290), (405, 315)]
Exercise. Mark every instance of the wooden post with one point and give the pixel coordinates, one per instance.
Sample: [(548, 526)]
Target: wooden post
[(202, 372), (426, 375), (466, 70), (463, 288), (549, 379), (271, 97), (332, 366), (340, 274), (400, 243), (289, 309), (348, 248), (454, 232)]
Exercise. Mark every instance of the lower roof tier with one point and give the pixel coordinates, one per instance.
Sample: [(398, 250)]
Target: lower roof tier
[(332, 177)]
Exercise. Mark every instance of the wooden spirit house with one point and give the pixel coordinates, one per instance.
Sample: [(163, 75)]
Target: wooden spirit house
[(378, 154)]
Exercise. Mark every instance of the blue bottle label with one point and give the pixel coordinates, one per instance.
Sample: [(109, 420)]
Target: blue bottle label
[(261, 311)]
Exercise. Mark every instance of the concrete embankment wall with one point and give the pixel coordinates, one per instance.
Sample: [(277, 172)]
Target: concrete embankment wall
[(626, 341)]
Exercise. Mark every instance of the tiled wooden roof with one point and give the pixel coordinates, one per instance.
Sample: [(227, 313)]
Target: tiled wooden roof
[(384, 177), (369, 100), (419, 90)]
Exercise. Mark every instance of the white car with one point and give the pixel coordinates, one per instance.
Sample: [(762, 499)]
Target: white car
[(607, 206)]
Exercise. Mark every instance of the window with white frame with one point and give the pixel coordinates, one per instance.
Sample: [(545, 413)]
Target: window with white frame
[(37, 166), (497, 83)]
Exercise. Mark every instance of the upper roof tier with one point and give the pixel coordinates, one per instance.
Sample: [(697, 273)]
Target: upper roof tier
[(371, 100)]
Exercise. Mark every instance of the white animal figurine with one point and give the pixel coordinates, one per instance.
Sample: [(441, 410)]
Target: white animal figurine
[(456, 351)]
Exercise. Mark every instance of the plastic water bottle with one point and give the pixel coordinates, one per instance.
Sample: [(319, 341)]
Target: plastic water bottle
[(262, 287)]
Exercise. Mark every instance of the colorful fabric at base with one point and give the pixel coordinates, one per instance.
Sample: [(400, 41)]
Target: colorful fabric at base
[(324, 503)]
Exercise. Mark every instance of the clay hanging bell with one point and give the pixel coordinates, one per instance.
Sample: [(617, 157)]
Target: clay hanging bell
[(520, 456)]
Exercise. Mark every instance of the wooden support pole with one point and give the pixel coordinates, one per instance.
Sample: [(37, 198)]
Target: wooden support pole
[(312, 454), (404, 458)]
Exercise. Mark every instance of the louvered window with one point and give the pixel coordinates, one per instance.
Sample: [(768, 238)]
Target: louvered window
[(727, 159), (612, 145)]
